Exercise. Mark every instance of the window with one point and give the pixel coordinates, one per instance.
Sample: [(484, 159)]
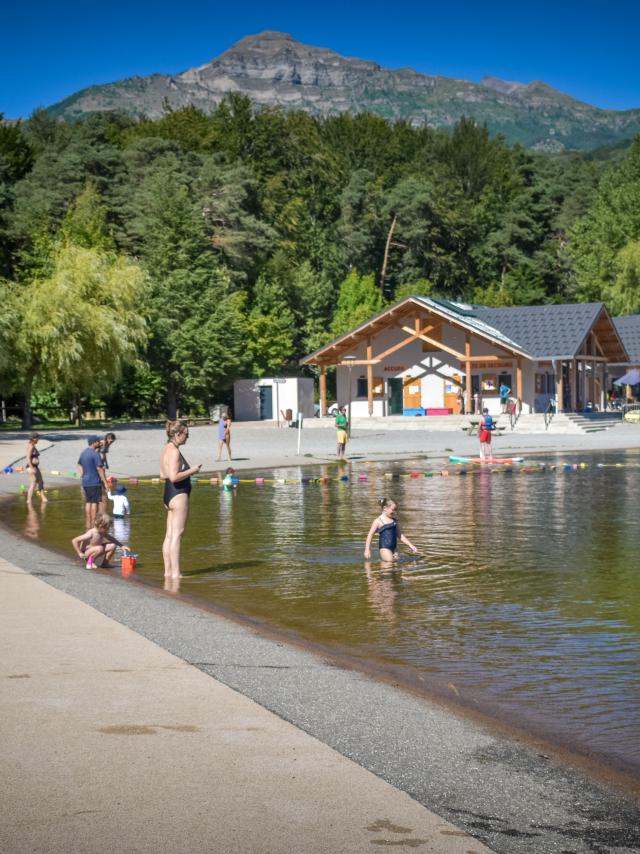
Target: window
[(378, 387), (436, 334), (541, 383), (505, 379), (489, 383)]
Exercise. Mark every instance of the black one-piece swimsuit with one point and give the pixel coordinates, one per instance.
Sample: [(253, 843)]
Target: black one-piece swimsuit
[(182, 487)]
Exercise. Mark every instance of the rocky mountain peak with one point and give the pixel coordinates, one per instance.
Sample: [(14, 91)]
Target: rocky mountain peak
[(275, 70)]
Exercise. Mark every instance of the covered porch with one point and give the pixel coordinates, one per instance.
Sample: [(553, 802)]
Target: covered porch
[(424, 356), (399, 356)]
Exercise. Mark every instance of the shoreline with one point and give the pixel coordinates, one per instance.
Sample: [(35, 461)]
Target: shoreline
[(537, 752), (401, 677), (458, 767)]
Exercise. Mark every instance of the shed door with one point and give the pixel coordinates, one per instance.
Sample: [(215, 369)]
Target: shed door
[(451, 388), (266, 403), (412, 396), (395, 396)]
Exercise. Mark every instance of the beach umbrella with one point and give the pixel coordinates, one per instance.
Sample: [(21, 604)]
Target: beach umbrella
[(632, 377)]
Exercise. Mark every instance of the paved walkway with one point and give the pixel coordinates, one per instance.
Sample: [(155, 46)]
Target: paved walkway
[(112, 744)]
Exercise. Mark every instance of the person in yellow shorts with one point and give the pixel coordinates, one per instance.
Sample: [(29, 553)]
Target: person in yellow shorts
[(342, 427)]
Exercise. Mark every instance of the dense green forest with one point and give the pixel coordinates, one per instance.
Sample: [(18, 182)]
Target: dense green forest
[(145, 265)]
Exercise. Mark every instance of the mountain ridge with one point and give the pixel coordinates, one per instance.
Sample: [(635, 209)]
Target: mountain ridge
[(275, 70)]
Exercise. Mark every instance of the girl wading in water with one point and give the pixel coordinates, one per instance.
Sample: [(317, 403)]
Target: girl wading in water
[(177, 473), (388, 529), (33, 468)]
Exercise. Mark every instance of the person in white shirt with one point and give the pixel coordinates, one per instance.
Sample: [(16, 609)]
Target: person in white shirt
[(121, 506)]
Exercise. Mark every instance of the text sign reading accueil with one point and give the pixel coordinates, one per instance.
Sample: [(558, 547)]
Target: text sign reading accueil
[(279, 380)]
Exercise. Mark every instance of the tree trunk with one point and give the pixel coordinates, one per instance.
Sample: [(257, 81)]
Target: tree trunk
[(383, 273), (27, 415), (172, 401)]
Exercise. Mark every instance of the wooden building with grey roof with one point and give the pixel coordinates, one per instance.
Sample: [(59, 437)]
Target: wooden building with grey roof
[(425, 356)]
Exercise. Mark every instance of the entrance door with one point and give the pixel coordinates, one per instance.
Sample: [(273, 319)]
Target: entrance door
[(395, 396), (451, 394), (411, 393), (266, 403)]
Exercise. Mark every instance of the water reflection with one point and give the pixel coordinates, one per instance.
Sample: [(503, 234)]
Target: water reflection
[(526, 595)]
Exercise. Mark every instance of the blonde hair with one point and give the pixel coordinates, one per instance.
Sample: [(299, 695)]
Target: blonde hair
[(175, 428), (103, 520)]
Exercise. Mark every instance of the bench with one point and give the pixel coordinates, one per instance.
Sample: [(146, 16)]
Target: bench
[(471, 429)]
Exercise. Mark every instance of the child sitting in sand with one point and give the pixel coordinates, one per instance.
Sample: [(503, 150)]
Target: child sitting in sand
[(97, 545)]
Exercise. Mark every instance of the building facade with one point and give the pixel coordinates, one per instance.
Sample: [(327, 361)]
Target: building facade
[(426, 356)]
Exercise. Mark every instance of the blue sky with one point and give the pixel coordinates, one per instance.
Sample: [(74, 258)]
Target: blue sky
[(51, 50)]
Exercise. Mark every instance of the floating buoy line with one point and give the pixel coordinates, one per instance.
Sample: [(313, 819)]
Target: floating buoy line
[(453, 470)]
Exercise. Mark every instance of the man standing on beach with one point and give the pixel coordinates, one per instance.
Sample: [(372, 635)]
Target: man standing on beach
[(342, 428), (93, 479), (504, 392)]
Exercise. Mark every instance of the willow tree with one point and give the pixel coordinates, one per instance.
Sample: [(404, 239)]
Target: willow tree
[(80, 325)]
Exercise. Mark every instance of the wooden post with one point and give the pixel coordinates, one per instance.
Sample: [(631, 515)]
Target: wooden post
[(559, 387), (369, 377), (519, 383), (467, 374), (603, 387), (574, 384), (593, 371), (323, 391)]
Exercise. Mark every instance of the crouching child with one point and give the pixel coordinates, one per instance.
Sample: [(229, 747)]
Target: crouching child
[(96, 546)]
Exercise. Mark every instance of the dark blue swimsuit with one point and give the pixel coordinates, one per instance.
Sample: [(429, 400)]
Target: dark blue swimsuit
[(388, 535)]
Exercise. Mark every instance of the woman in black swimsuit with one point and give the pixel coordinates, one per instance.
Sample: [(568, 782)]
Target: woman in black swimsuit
[(389, 533), (33, 469), (177, 477)]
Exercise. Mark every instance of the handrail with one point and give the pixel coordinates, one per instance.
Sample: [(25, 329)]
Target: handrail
[(514, 414), (550, 411)]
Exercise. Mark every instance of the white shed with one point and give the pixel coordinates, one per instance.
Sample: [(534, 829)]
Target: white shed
[(264, 399)]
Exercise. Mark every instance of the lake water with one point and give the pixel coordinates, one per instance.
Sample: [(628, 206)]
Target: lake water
[(524, 604)]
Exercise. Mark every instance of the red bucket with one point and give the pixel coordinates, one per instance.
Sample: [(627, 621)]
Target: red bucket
[(128, 564)]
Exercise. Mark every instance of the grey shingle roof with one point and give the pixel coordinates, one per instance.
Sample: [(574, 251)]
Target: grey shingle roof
[(544, 331), (629, 330), (471, 318)]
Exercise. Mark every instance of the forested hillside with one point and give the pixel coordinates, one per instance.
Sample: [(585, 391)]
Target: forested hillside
[(150, 263)]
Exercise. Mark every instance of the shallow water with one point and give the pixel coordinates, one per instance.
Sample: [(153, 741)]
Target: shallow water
[(525, 601)]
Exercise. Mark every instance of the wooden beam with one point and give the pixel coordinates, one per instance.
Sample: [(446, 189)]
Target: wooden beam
[(439, 344), (592, 388), (559, 387), (574, 384), (519, 383), (413, 337), (323, 391), (369, 378), (467, 373), (358, 362)]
